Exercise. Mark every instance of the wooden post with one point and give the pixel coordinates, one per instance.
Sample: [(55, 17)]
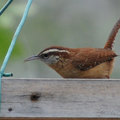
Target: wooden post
[(68, 98)]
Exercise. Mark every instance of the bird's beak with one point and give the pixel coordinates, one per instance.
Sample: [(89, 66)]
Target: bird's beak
[(32, 58)]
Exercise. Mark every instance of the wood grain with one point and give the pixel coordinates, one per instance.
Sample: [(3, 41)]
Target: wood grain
[(59, 119), (60, 98)]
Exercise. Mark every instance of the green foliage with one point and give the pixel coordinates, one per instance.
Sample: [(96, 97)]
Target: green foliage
[(5, 40)]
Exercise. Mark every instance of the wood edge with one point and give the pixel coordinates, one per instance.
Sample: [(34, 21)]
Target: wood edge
[(59, 79), (37, 118)]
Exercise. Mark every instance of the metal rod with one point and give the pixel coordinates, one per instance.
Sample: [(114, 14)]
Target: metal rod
[(5, 6), (17, 32)]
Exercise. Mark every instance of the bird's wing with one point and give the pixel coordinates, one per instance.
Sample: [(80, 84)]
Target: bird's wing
[(91, 57)]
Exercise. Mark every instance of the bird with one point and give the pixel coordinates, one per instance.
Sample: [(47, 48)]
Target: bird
[(84, 63)]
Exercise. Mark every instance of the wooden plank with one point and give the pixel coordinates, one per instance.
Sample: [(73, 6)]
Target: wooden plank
[(59, 119), (60, 98)]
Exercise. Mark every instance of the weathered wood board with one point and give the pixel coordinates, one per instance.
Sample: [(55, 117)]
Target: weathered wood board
[(26, 118), (60, 98)]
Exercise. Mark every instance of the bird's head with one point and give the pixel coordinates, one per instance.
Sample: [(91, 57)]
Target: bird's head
[(51, 55)]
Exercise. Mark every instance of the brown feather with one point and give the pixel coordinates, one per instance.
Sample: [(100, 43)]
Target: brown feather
[(88, 58), (111, 38)]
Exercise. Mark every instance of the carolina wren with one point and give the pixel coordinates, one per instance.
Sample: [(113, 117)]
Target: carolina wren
[(81, 62)]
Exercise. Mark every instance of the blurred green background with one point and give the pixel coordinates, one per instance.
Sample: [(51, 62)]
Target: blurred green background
[(70, 23)]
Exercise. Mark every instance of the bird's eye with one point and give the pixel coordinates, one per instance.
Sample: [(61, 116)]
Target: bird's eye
[(45, 55)]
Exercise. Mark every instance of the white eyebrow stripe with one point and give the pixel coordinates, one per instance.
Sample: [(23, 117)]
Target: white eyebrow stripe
[(55, 50)]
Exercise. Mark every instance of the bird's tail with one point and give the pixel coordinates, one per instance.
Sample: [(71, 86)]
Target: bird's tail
[(111, 38)]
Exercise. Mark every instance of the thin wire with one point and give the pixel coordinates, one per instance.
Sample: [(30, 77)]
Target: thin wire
[(17, 32), (5, 6)]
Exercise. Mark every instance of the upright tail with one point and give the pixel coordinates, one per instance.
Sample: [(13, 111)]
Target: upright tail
[(111, 38)]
